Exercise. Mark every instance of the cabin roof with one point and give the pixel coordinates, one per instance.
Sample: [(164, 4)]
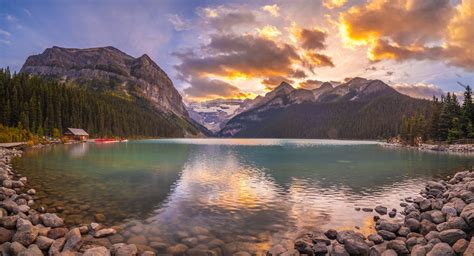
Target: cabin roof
[(77, 131)]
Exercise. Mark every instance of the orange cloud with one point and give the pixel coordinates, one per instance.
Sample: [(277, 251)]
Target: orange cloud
[(274, 9), (404, 29)]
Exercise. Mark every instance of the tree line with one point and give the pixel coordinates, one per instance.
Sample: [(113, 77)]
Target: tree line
[(48, 107), (449, 121)]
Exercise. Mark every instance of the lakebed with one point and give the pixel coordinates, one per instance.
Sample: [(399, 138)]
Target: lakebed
[(238, 195)]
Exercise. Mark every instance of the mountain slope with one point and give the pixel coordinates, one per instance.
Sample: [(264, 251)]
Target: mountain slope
[(358, 109), (107, 70)]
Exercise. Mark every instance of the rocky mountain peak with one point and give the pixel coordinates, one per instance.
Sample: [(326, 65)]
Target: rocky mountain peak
[(108, 68), (325, 85)]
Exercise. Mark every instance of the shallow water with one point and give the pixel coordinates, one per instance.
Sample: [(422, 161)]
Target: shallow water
[(247, 193)]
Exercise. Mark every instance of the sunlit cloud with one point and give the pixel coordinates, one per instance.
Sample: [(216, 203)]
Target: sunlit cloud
[(401, 30), (419, 90), (330, 4), (269, 32), (274, 9)]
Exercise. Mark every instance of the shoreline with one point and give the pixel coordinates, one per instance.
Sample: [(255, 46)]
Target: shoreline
[(466, 149), (438, 222), (26, 231)]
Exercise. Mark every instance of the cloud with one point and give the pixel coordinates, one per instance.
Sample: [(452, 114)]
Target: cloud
[(10, 18), (269, 32), (310, 39), (310, 84), (225, 18), (331, 4), (231, 55), (4, 33), (420, 90), (274, 10), (178, 23), (4, 41), (404, 29), (211, 88), (272, 82), (314, 59)]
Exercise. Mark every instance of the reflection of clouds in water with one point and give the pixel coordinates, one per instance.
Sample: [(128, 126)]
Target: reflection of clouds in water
[(264, 142)]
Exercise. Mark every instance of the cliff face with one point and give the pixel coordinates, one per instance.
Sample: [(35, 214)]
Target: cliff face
[(107, 68)]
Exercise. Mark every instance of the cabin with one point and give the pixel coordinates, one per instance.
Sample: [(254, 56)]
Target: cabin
[(76, 134)]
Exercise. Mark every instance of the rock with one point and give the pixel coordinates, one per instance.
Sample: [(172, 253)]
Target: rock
[(403, 231), (392, 214), (126, 249), (5, 235), (304, 247), (450, 236), (388, 225), (97, 251), (177, 249), (16, 248), (26, 234), (426, 226), (367, 209), (432, 235), (5, 248), (338, 250), (418, 250), (73, 240), (99, 217), (425, 205), (43, 242), (31, 191), (387, 235), (468, 214), (470, 248), (140, 239), (453, 223), (276, 250), (377, 239), (331, 234), (356, 246), (9, 222), (105, 232), (412, 224), (399, 246), (57, 246), (441, 249), (320, 248), (52, 220), (9, 205), (381, 210), (56, 233), (460, 246), (32, 250), (389, 252)]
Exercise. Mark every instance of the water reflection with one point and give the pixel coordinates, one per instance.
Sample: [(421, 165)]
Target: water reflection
[(228, 195)]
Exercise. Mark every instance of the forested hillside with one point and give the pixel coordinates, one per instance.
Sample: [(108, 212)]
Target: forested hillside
[(41, 106), (449, 122), (337, 120)]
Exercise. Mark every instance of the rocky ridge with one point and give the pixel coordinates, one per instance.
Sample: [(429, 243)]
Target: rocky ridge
[(107, 68), (440, 222), (25, 231)]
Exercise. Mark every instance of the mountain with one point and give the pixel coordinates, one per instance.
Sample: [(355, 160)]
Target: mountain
[(107, 70), (213, 114), (357, 109)]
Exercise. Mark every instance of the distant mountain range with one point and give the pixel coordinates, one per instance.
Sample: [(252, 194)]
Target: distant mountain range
[(357, 109), (107, 69)]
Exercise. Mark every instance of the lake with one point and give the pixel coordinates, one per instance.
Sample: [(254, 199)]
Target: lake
[(228, 194)]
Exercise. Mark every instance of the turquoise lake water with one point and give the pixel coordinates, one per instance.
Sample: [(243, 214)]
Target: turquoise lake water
[(247, 193)]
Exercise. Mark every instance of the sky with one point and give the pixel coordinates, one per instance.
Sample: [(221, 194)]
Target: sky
[(241, 49)]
